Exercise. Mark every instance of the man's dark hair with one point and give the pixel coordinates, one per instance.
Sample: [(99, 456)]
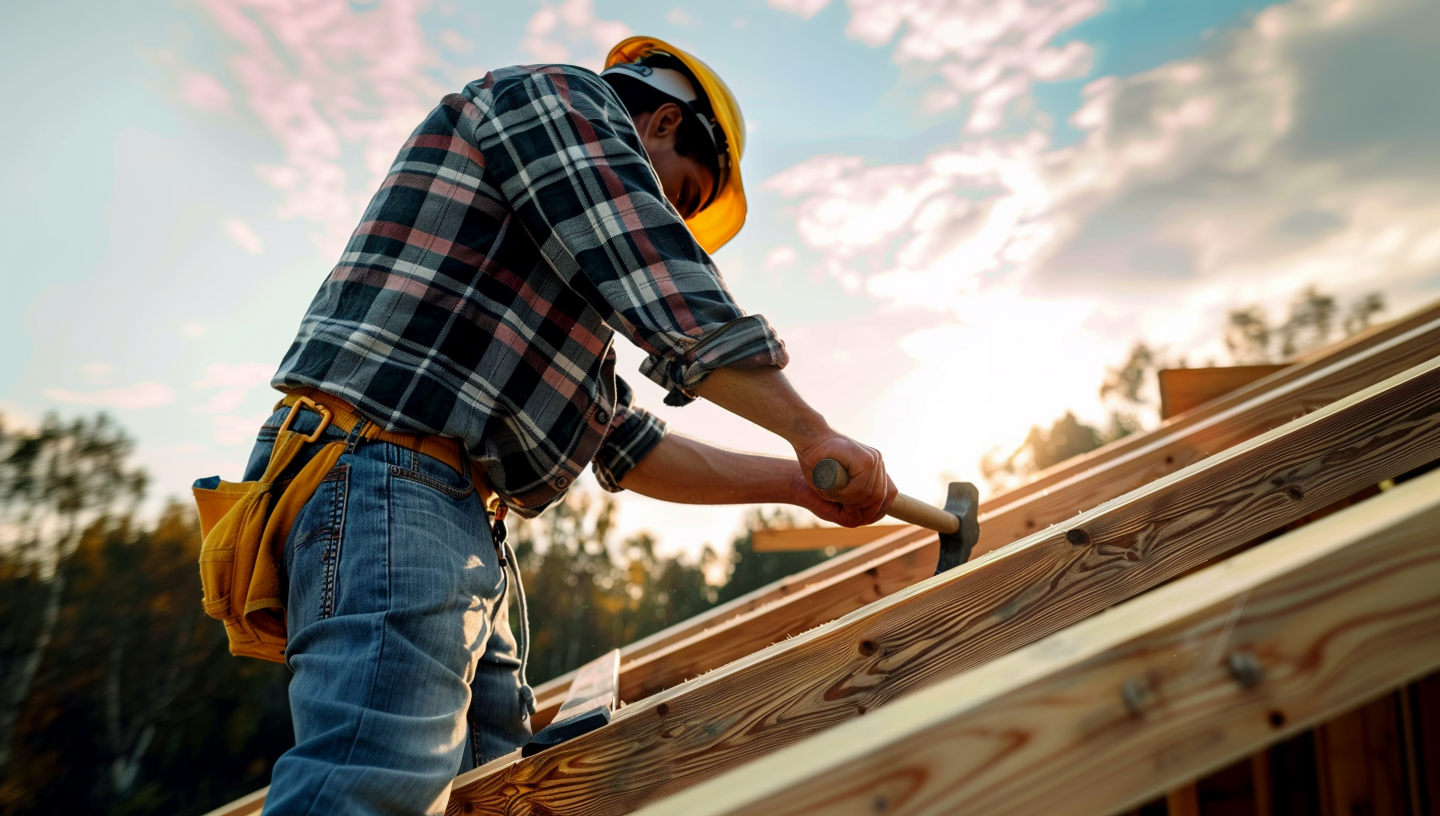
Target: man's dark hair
[(691, 139)]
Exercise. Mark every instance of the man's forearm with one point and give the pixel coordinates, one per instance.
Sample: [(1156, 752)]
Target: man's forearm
[(765, 397), (688, 471)]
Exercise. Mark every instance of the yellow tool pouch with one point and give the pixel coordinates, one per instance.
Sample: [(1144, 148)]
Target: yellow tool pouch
[(245, 525)]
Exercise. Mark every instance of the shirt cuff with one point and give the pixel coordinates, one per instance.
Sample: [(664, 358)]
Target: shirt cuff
[(633, 435), (747, 342)]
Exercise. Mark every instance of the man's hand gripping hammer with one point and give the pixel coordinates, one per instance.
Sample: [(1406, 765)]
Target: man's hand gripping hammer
[(958, 524)]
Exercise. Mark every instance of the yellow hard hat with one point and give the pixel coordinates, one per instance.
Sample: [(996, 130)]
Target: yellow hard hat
[(725, 215)]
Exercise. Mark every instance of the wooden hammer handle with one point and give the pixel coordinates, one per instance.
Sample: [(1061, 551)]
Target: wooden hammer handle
[(830, 475)]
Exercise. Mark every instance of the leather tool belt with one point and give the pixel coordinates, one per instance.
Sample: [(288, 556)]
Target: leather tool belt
[(245, 524)]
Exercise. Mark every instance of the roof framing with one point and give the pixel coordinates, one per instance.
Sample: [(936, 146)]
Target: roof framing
[(1142, 698), (963, 618)]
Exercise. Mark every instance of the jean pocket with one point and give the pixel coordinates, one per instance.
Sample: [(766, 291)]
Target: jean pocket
[(441, 477), (315, 548)]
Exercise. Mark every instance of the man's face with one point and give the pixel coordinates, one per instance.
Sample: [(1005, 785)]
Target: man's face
[(686, 181)]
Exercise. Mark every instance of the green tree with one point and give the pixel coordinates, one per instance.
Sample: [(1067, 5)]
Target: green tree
[(750, 570), (54, 483)]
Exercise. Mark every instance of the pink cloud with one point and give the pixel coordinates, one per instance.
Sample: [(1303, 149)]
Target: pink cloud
[(991, 52), (804, 9), (325, 78), (204, 92), (570, 32), (243, 235)]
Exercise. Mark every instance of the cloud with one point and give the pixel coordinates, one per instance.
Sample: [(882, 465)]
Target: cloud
[(569, 32), (457, 42), (98, 373), (781, 257), (243, 235), (680, 17), (1240, 167), (805, 9), (235, 375), (326, 79), (204, 92), (234, 430), (989, 52), (1296, 150), (148, 394)]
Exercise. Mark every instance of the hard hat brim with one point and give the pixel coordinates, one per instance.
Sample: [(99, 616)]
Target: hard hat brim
[(719, 222)]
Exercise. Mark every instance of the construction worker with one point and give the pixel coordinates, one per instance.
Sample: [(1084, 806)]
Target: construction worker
[(461, 349)]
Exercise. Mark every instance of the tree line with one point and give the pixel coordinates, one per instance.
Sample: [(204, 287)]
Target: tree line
[(119, 696)]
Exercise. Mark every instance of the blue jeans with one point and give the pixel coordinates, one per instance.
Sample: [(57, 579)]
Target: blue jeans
[(405, 669)]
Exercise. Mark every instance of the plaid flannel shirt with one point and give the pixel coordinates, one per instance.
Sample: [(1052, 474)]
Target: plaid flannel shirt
[(520, 228)]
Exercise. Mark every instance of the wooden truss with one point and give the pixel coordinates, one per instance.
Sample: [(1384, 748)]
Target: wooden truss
[(788, 671), (1140, 698), (949, 624)]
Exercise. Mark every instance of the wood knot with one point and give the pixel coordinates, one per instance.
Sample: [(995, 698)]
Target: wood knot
[(1277, 719), (1078, 537), (1294, 492), (663, 709), (868, 647)]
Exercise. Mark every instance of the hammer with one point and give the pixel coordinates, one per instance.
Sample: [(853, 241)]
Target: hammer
[(958, 524)]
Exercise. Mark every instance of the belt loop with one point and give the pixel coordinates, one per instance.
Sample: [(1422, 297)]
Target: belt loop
[(353, 438)]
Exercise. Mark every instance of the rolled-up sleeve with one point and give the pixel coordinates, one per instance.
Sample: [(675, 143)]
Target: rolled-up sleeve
[(634, 432), (566, 155)]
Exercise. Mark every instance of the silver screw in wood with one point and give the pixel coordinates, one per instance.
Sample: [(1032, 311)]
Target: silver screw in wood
[(1135, 693), (1246, 669)]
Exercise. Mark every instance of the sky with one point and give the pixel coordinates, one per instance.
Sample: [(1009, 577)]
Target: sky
[(961, 211)]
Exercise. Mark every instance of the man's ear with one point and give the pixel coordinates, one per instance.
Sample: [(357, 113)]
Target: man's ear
[(665, 121)]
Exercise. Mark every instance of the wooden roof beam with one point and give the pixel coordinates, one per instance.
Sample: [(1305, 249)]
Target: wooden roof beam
[(890, 564), (1142, 698), (961, 619), (907, 557)]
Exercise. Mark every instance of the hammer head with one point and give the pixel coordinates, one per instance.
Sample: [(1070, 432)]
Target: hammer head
[(963, 502)]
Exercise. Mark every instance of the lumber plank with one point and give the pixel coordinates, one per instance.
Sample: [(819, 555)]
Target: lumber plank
[(1425, 722), (984, 609), (1349, 367), (1261, 782), (1303, 367), (897, 570), (1185, 389), (1142, 697), (818, 538), (1183, 801), (1359, 761), (897, 567), (247, 805), (1166, 453)]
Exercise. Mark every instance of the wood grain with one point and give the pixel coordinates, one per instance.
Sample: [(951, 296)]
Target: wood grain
[(818, 538), (1185, 389), (714, 639), (247, 805), (977, 612), (1358, 757), (1304, 366), (1143, 697), (893, 570), (1343, 370)]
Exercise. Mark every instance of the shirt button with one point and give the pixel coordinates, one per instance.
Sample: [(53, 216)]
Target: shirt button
[(602, 416)]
